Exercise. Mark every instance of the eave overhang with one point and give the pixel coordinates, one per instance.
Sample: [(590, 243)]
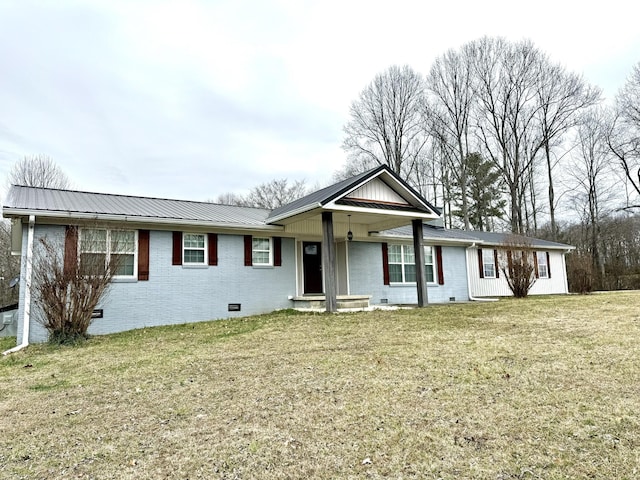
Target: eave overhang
[(87, 217)]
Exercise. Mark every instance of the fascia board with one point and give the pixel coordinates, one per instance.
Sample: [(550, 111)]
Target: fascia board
[(293, 213)]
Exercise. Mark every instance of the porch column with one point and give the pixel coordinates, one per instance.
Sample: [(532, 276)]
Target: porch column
[(421, 282), (329, 263)]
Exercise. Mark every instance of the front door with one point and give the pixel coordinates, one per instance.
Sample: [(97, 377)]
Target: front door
[(312, 267)]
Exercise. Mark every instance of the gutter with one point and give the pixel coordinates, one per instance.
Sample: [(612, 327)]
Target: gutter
[(27, 291), (472, 298)]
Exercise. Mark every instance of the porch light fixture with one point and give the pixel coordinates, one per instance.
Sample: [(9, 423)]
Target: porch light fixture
[(349, 233)]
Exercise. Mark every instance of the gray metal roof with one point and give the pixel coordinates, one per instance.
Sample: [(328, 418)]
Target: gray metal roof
[(23, 200), (45, 201), (482, 238)]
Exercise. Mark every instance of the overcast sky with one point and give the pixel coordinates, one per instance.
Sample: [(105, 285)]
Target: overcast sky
[(193, 98)]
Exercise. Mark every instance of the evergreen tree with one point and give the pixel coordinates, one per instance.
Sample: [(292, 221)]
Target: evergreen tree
[(484, 193)]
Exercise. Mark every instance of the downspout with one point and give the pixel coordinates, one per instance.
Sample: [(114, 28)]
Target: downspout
[(27, 289), (564, 271), (472, 298)]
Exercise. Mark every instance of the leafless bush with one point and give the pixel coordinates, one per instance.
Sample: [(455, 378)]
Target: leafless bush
[(519, 268), (67, 289), (580, 273)]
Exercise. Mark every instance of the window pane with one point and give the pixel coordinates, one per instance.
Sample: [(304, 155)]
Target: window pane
[(395, 254), (261, 244), (489, 270), (410, 273), (395, 273), (193, 240), (123, 241), (93, 240), (428, 255), (429, 273), (260, 258), (542, 271), (409, 255), (194, 256), (92, 263), (122, 264)]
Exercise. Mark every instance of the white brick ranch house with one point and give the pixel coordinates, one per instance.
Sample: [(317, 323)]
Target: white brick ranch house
[(367, 240)]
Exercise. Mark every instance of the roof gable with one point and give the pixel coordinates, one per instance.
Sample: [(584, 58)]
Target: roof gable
[(379, 188), (376, 191)]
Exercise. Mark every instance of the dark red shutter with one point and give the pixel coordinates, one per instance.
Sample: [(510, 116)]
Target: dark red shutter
[(480, 263), (495, 262), (548, 266), (248, 248), (177, 248), (70, 250), (510, 262), (385, 264), (143, 255), (535, 264), (439, 263), (212, 242), (277, 251)]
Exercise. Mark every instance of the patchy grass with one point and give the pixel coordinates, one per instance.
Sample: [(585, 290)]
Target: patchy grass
[(545, 387)]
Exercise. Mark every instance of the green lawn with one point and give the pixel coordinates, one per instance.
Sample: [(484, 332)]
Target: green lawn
[(545, 388)]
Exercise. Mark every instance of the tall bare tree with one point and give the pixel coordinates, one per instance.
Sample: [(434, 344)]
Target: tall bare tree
[(561, 95), (591, 178), (624, 136), (38, 171), (506, 79), (386, 125), (451, 99)]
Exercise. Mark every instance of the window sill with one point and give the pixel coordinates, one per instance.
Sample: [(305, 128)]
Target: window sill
[(194, 266), (411, 284), (124, 279)]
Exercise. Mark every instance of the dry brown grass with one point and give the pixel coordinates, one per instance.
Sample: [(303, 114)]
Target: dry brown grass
[(519, 389)]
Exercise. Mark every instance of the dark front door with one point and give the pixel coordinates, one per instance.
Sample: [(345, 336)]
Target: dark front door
[(312, 267)]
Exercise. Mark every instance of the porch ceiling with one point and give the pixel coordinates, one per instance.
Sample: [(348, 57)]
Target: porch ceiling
[(361, 218)]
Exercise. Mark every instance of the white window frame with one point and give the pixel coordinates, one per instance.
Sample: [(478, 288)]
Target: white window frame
[(488, 258), (204, 249), (432, 264), (108, 251), (269, 262), (403, 264), (542, 255)]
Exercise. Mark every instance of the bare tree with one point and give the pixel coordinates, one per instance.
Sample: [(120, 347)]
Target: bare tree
[(518, 265), (67, 289), (590, 172), (506, 77), (9, 267), (230, 198), (386, 125), (38, 171), (451, 99), (561, 96), (624, 135), (276, 193)]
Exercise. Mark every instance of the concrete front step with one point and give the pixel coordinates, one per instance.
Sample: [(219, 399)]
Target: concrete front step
[(319, 301)]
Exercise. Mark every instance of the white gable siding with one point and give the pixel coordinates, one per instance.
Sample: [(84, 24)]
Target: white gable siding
[(497, 287), (377, 190)]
